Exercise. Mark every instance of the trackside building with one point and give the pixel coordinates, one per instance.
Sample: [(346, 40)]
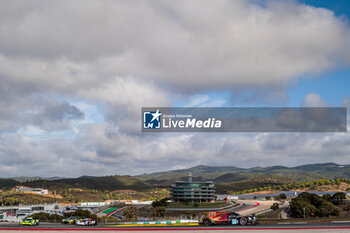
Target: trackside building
[(192, 191)]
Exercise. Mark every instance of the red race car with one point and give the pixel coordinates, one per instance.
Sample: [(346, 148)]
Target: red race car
[(233, 218)]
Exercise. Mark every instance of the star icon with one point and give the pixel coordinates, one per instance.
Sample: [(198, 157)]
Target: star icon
[(156, 115)]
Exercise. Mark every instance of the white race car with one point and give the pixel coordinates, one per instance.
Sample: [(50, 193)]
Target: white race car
[(86, 222)]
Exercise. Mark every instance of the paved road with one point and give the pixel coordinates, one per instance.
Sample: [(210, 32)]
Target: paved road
[(286, 228), (207, 231)]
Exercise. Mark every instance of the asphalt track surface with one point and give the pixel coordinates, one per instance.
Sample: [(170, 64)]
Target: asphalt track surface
[(301, 227), (338, 227)]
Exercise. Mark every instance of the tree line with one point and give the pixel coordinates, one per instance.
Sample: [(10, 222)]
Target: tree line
[(312, 205), (295, 185)]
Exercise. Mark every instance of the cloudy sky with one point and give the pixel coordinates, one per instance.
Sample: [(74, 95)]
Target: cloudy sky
[(75, 74)]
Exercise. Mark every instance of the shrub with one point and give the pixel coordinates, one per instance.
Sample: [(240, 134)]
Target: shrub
[(275, 206), (130, 213), (157, 211), (346, 208), (162, 202), (313, 204), (80, 213), (338, 198)]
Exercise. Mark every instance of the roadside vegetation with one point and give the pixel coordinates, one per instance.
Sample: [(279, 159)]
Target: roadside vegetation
[(16, 198), (131, 213), (74, 195), (164, 203), (312, 205), (341, 184), (44, 217)]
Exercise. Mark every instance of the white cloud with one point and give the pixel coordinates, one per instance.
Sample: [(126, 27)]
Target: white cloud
[(197, 100), (346, 103), (124, 55), (200, 100), (124, 97), (103, 149), (313, 100), (192, 45), (214, 103)]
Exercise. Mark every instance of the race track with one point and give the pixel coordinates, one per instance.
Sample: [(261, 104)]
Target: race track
[(301, 227), (244, 207)]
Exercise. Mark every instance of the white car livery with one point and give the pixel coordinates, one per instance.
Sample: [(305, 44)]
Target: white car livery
[(86, 222)]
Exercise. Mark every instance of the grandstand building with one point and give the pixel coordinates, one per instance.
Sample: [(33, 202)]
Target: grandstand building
[(192, 191)]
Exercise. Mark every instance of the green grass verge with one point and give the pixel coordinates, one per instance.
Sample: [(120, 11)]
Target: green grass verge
[(110, 210)]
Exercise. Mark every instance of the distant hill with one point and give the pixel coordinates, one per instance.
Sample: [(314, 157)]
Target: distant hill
[(332, 170), (32, 178), (234, 178), (198, 171), (52, 178), (109, 183), (26, 178), (8, 182), (225, 177)]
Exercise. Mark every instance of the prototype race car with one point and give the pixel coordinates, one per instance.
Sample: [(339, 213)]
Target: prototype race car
[(86, 222), (233, 218), (29, 221), (70, 220)]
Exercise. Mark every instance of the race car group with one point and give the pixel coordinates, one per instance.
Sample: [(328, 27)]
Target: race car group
[(80, 221), (210, 218), (29, 221), (71, 220), (233, 218)]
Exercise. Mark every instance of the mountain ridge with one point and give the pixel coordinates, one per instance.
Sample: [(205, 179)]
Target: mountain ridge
[(233, 169), (225, 177)]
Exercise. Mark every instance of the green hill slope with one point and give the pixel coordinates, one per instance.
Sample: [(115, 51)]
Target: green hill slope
[(8, 182), (324, 170), (109, 183), (225, 177)]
